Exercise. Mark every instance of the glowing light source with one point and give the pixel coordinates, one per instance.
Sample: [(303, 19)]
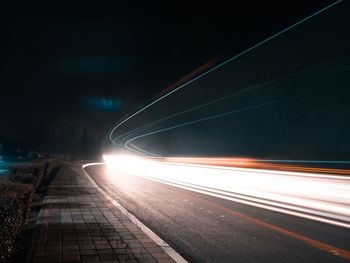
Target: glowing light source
[(121, 161), (105, 104), (323, 197)]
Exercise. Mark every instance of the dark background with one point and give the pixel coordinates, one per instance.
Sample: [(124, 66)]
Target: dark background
[(69, 74)]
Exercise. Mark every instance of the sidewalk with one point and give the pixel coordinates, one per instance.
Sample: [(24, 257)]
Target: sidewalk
[(77, 223)]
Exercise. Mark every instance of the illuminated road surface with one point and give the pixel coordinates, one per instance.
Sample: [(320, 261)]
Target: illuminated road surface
[(226, 214)]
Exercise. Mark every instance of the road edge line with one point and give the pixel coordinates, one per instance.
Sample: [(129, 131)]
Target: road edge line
[(160, 242)]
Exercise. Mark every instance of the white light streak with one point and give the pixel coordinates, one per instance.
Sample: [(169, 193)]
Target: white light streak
[(321, 197), (298, 23)]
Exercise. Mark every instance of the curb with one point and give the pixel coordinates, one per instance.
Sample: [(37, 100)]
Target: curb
[(160, 242)]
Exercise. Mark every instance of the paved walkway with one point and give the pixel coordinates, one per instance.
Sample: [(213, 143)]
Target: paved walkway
[(79, 224)]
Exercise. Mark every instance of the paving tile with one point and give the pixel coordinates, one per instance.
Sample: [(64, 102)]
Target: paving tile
[(128, 261), (70, 255), (90, 258), (160, 255), (145, 258), (39, 252), (53, 251), (37, 259), (139, 251), (170, 260), (103, 246), (87, 246), (149, 244), (106, 254), (88, 252), (78, 224), (154, 250)]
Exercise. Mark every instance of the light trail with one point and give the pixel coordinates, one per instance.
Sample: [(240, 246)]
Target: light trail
[(127, 134), (319, 194), (283, 165), (316, 196), (138, 150), (222, 64), (210, 118)]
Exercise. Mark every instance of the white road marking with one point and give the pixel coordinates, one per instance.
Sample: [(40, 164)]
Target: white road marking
[(160, 242)]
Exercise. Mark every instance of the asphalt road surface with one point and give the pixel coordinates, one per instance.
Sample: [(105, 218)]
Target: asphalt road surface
[(204, 228)]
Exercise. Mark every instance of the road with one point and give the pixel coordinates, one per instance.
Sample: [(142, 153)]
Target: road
[(205, 228)]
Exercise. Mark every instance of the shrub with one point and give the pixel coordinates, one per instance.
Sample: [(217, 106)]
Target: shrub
[(15, 201), (23, 193), (23, 178), (11, 218), (16, 196), (27, 173)]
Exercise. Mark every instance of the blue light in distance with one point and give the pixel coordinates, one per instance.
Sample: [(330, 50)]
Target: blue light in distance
[(104, 104)]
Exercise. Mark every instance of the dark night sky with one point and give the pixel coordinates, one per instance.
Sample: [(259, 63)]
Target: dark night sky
[(57, 64)]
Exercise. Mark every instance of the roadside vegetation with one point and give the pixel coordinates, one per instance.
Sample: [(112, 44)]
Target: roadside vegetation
[(25, 182)]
